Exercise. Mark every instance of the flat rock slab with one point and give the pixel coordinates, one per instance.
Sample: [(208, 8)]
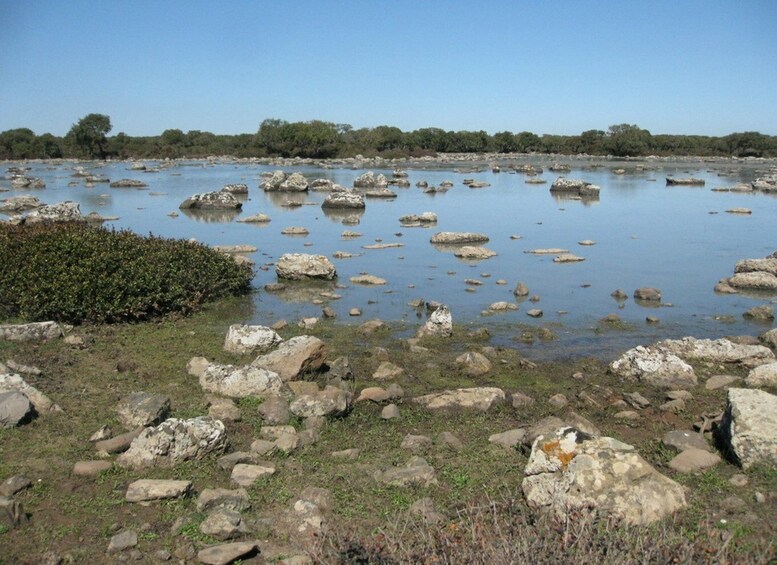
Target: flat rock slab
[(720, 381), (156, 489), (140, 409), (547, 251), (459, 237), (749, 426), (245, 475), (568, 258), (480, 399), (693, 460), (717, 351), (211, 498), (227, 553), (36, 331), (368, 280), (415, 472), (90, 468), (294, 357), (682, 440)]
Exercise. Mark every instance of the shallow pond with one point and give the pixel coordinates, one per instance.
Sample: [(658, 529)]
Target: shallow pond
[(676, 238)]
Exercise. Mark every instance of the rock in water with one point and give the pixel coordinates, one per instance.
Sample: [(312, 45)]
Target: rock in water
[(212, 201), (298, 266), (572, 471), (439, 324), (749, 426)]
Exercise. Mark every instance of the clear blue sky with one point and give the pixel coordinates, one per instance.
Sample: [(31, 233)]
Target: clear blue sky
[(670, 66)]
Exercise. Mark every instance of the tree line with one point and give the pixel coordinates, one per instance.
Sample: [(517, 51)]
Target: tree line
[(88, 138)]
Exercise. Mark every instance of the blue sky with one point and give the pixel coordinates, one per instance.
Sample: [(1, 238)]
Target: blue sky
[(680, 66)]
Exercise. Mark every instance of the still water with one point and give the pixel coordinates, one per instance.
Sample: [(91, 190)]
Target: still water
[(678, 239)]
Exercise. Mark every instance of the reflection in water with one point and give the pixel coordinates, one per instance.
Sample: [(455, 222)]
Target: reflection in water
[(285, 199), (337, 215), (296, 292), (211, 216), (568, 196)]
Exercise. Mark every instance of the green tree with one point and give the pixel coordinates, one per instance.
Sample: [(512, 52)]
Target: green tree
[(527, 142), (89, 135), (505, 142), (624, 140)]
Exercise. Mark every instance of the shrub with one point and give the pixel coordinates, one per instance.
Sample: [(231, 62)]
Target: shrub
[(75, 273)]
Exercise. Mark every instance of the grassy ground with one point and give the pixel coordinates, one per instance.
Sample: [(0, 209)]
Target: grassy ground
[(479, 485)]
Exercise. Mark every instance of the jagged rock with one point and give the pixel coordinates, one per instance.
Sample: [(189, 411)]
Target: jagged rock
[(654, 367), (571, 471), (764, 375), (684, 181), (295, 182), (223, 409), (250, 339), (331, 401), (346, 200), (174, 441), (227, 553), (238, 382), (415, 472), (366, 180), (211, 201), (36, 331), (41, 402), (749, 426), (143, 409), (15, 409), (502, 306), (521, 290), (480, 399), (17, 204), (473, 363), (425, 218), (298, 266), (439, 324), (717, 351), (292, 358), (568, 258), (55, 213), (156, 489), (574, 186), (450, 237)]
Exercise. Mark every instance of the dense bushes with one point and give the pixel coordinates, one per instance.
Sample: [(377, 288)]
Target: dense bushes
[(75, 273)]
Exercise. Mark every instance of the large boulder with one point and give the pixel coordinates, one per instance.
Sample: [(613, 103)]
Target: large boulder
[(767, 265), (22, 203), (757, 280), (293, 358), (273, 181), (35, 331), (54, 213), (212, 201), (238, 382), (572, 471), (717, 351), (439, 324), (366, 180), (298, 266), (479, 399), (174, 441), (344, 200), (295, 182), (250, 339), (749, 427), (654, 367)]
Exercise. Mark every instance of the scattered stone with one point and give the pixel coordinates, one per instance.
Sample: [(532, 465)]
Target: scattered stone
[(15, 409), (568, 258), (692, 460), (390, 412), (450, 440), (211, 201), (473, 363), (223, 524), (156, 489), (571, 470), (118, 444), (749, 426), (439, 324), (681, 440), (256, 219), (447, 237), (141, 409), (502, 306), (299, 266), (765, 375), (654, 367), (415, 472), (122, 541), (332, 401), (558, 401), (647, 294), (244, 339), (344, 200), (239, 382), (474, 252), (521, 400), (246, 475), (13, 485), (535, 313), (227, 553), (509, 439), (36, 331), (717, 351), (416, 443), (387, 371), (90, 468), (720, 381), (764, 313), (368, 280)]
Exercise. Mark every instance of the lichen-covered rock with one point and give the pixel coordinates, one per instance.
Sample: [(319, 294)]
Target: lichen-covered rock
[(654, 367), (174, 441), (212, 201), (572, 471), (54, 213), (480, 399), (293, 358), (273, 182), (35, 331), (250, 339), (717, 351), (299, 266), (749, 426), (295, 182), (238, 382)]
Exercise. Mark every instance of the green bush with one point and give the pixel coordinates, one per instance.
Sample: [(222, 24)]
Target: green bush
[(75, 273)]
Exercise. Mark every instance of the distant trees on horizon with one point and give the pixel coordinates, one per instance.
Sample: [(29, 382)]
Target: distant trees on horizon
[(88, 138)]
